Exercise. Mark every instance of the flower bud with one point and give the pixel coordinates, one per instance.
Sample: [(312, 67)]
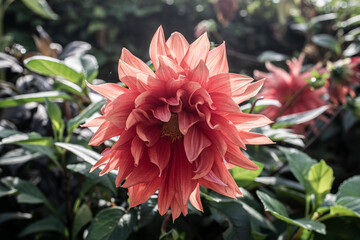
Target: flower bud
[(317, 81)]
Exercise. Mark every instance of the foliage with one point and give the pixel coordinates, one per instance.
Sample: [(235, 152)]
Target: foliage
[(306, 187)]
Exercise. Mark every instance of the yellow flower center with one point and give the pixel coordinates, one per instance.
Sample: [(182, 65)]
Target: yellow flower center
[(171, 128)]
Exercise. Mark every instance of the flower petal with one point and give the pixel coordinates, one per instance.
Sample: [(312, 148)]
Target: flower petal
[(94, 122), (168, 69), (223, 103), (106, 131), (217, 61), (137, 149), (195, 199), (228, 83), (162, 113), (251, 91), (178, 45), (144, 172), (200, 74), (108, 90), (235, 156), (135, 62), (149, 133), (158, 47), (141, 192), (159, 154), (194, 142), (126, 166), (254, 138), (246, 121), (186, 120), (197, 51)]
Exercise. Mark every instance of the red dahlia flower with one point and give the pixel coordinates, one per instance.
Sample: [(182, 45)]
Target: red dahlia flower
[(282, 86), (179, 127)]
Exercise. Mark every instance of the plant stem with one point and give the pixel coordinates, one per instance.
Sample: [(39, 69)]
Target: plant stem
[(67, 196)]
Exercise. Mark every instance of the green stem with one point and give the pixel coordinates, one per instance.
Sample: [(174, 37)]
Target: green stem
[(307, 205)]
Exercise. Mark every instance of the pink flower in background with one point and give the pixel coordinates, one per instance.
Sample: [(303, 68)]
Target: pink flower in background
[(179, 127), (282, 86), (345, 72)]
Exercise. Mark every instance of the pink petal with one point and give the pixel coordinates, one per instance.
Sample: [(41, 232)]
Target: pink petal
[(228, 130), (137, 149), (168, 69), (149, 133), (198, 50), (254, 138), (124, 141), (141, 192), (204, 163), (106, 131), (127, 74), (94, 122), (158, 47), (213, 178), (159, 154), (246, 121), (186, 120), (195, 199), (217, 61), (144, 172), (118, 110), (136, 115), (223, 103), (194, 142), (236, 157), (200, 74), (135, 62), (178, 45), (228, 83), (126, 166), (146, 82), (102, 161), (251, 91), (108, 90), (162, 113)]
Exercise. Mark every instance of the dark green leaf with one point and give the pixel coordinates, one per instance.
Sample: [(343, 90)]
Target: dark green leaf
[(299, 164), (6, 191), (25, 188), (327, 41), (350, 188), (82, 217), (18, 156), (90, 67), (85, 114), (55, 116), (4, 217), (339, 210), (32, 97), (278, 210), (234, 216), (244, 177), (83, 168), (53, 67), (271, 56), (46, 224), (320, 177), (298, 118), (41, 7), (112, 223), (350, 203)]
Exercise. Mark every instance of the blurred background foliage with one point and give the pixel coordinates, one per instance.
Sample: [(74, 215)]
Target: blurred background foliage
[(88, 35)]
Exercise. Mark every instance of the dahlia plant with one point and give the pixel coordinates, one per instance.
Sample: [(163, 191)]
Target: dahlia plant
[(180, 126)]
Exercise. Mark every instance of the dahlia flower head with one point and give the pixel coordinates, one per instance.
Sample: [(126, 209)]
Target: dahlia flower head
[(344, 74), (282, 86), (180, 126)]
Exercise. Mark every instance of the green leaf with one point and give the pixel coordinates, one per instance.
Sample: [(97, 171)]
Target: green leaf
[(6, 191), (244, 177), (25, 188), (351, 203), (83, 168), (349, 188), (271, 56), (299, 164), (84, 153), (4, 217), (55, 116), (342, 211), (277, 209), (85, 114), (33, 142), (82, 217), (90, 67), (47, 224), (32, 97), (234, 216), (67, 86), (321, 178), (18, 156), (41, 7), (327, 41), (298, 118), (53, 67), (112, 223)]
